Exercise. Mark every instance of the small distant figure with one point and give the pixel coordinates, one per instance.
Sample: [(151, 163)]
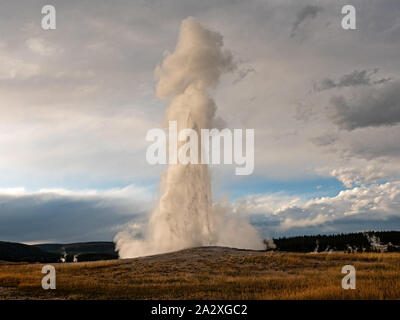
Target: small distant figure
[(63, 259), (75, 259), (269, 244), (351, 249), (328, 250), (316, 249)]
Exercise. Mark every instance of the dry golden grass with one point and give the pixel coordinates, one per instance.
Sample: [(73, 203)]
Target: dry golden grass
[(211, 273)]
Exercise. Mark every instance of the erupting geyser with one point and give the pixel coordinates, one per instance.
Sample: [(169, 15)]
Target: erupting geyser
[(185, 216)]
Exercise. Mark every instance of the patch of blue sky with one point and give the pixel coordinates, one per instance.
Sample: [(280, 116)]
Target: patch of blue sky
[(306, 188)]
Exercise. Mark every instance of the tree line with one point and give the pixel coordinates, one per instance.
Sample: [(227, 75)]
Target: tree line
[(371, 241)]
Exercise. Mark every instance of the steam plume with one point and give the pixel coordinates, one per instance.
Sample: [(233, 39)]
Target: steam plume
[(185, 216)]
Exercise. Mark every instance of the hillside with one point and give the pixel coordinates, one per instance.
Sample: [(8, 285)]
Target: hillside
[(88, 251), (10, 251)]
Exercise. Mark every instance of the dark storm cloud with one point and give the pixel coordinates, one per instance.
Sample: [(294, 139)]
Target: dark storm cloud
[(385, 146), (306, 13), (61, 218), (353, 79), (377, 107)]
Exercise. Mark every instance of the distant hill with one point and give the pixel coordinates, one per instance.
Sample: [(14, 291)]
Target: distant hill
[(16, 252), (79, 247), (53, 252)]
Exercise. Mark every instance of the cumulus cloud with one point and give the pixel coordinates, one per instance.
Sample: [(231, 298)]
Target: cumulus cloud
[(357, 175), (359, 208), (68, 216), (318, 220), (373, 108)]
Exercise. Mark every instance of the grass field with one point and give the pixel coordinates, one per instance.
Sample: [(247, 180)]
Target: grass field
[(211, 273)]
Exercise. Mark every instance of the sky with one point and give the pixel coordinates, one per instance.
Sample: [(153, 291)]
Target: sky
[(76, 104)]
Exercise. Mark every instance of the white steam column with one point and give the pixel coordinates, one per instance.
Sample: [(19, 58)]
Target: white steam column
[(185, 216)]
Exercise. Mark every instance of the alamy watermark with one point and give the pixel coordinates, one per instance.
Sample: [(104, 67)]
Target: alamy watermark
[(349, 280), (49, 280), (49, 20), (188, 147), (348, 21)]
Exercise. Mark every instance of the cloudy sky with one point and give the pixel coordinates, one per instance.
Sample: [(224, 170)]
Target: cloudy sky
[(76, 103)]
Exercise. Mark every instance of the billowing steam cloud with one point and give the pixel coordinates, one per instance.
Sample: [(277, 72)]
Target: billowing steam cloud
[(185, 216)]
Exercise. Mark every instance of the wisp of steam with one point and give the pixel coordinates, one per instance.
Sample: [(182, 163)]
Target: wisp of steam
[(185, 216)]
